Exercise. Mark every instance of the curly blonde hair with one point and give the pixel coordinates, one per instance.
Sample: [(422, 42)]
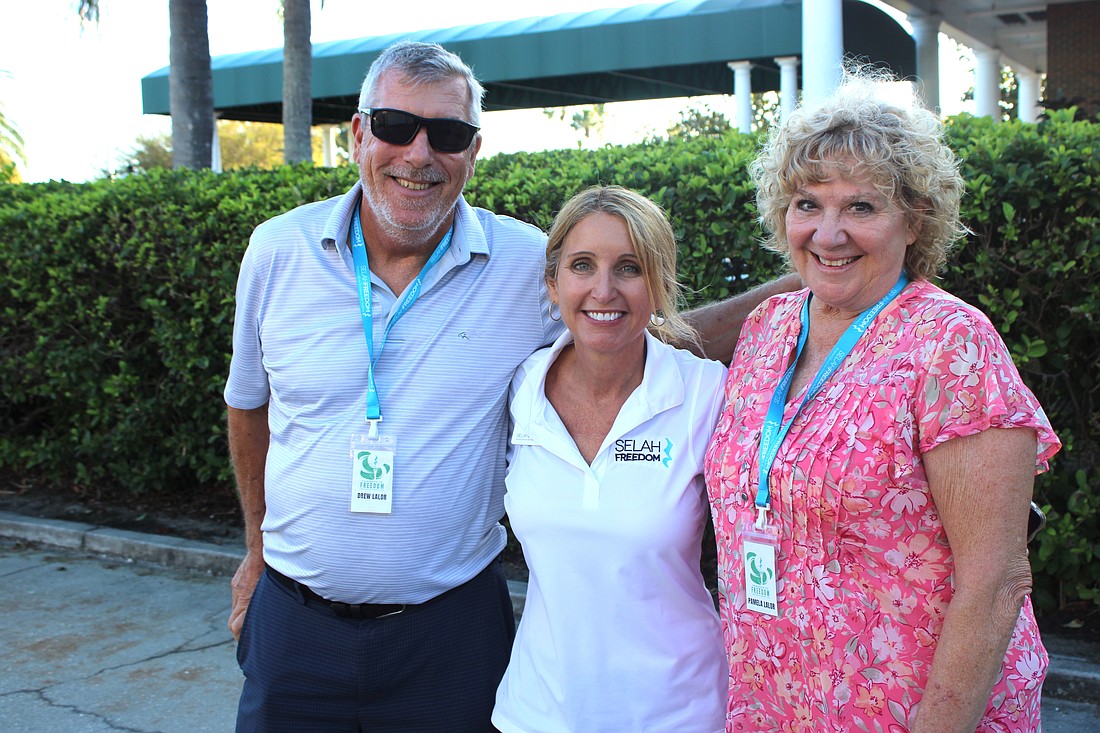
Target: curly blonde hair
[(654, 244), (897, 142)]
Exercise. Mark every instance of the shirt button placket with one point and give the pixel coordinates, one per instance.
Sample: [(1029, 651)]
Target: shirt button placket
[(591, 497)]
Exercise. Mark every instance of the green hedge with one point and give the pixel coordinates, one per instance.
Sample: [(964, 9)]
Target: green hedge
[(117, 298), (701, 183), (1032, 263), (117, 302)]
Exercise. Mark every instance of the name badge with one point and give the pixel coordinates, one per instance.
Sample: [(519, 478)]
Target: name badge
[(758, 548), (372, 473)]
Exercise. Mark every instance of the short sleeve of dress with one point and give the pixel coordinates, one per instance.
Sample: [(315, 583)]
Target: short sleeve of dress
[(970, 383)]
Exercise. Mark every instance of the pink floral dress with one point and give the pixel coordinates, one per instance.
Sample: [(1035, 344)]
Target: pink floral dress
[(863, 562)]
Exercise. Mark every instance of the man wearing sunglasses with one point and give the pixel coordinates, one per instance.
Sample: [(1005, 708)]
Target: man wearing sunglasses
[(375, 337)]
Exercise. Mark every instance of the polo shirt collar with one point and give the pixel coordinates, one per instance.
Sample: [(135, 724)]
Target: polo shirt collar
[(662, 388), (469, 237), (338, 225)]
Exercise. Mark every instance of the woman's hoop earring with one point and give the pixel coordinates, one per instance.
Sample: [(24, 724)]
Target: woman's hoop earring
[(657, 319), (550, 310)]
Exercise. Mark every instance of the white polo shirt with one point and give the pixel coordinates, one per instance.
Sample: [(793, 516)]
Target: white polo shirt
[(443, 376), (619, 632)]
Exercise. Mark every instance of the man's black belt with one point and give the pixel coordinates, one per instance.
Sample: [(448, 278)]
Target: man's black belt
[(344, 610)]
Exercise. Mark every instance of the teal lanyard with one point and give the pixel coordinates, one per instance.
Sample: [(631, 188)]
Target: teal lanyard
[(362, 281), (775, 430)]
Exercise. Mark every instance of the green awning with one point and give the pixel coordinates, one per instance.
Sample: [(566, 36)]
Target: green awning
[(674, 49)]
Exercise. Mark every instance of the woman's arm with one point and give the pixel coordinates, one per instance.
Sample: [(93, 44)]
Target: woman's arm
[(982, 486)]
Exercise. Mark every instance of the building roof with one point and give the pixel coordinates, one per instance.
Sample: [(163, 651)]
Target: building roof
[(655, 51), (1016, 28)]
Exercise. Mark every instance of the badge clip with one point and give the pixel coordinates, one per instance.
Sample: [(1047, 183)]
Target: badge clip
[(762, 516)]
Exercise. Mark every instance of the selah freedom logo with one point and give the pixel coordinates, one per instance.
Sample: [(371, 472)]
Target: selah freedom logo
[(658, 450)]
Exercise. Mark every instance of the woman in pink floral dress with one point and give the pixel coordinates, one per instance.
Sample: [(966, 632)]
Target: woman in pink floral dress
[(874, 575)]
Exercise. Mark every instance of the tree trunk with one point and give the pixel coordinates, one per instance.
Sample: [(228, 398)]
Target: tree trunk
[(297, 82), (190, 84)]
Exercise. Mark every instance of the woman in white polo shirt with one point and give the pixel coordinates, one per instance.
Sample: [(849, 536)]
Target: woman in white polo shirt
[(605, 492)]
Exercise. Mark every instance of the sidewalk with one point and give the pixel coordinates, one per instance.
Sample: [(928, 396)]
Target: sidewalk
[(107, 629)]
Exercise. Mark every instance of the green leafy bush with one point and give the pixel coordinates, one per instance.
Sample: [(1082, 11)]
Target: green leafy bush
[(117, 304), (702, 183), (1033, 264), (117, 298)]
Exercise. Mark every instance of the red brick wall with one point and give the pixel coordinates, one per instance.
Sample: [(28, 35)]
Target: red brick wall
[(1073, 56)]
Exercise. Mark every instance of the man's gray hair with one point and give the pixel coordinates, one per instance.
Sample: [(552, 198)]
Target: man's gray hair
[(422, 63)]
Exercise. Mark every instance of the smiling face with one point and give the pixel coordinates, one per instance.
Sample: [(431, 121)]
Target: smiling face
[(410, 190), (847, 240), (600, 287)]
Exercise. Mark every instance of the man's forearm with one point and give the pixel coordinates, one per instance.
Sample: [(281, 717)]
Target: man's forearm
[(719, 324), (249, 437)]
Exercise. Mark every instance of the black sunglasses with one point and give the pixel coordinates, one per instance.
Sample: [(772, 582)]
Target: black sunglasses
[(445, 134)]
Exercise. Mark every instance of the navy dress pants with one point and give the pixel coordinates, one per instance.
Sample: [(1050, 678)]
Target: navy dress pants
[(433, 668)]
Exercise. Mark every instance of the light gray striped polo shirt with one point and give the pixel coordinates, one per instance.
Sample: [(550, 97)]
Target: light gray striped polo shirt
[(443, 377)]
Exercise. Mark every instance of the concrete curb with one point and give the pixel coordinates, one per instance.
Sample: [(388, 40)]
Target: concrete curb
[(136, 546), (1072, 678), (1074, 672), (174, 552)]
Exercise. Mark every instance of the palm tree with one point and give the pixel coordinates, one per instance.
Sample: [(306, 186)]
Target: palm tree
[(190, 82), (297, 81), (11, 146)]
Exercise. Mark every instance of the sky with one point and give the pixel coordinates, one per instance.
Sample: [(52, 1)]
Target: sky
[(75, 93)]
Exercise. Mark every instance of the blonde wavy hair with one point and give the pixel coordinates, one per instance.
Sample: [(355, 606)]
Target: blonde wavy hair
[(653, 241), (894, 140)]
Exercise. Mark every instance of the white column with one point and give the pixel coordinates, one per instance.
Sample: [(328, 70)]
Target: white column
[(987, 83), (788, 84), (926, 33), (1027, 90), (216, 149), (742, 92), (328, 145), (822, 48), (334, 134)]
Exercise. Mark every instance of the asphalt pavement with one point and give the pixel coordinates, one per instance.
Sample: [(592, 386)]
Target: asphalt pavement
[(105, 630), (92, 642)]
